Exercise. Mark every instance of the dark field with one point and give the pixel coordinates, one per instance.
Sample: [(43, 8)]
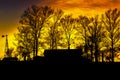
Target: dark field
[(72, 56), (65, 57)]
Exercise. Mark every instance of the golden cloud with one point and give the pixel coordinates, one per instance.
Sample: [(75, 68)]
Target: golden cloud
[(84, 7), (64, 4)]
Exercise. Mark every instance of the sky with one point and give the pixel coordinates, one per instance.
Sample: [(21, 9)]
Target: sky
[(11, 10)]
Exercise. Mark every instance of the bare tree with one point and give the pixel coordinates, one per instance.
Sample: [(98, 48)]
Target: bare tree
[(35, 17), (54, 32), (68, 25), (83, 24), (111, 21), (96, 34)]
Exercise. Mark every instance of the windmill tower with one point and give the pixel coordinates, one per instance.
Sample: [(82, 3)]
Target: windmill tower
[(6, 46)]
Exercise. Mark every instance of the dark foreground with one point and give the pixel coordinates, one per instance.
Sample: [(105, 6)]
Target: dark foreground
[(57, 61), (61, 56), (54, 57), (48, 60)]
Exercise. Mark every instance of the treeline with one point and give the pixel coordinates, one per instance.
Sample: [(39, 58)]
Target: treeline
[(47, 28)]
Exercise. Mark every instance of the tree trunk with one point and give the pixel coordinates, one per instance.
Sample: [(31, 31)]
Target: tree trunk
[(52, 44), (36, 46), (91, 52), (86, 46), (55, 42), (68, 45), (34, 49), (68, 42), (102, 57), (112, 52), (96, 52), (24, 58)]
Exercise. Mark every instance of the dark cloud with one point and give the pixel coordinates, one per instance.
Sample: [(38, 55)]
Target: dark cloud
[(115, 1), (98, 5)]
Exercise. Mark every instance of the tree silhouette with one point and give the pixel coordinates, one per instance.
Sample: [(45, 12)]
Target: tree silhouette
[(111, 21), (44, 27), (67, 23), (25, 41), (95, 37), (84, 23), (54, 32), (35, 17)]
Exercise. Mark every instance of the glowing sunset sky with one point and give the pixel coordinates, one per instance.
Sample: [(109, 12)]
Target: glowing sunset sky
[(11, 10)]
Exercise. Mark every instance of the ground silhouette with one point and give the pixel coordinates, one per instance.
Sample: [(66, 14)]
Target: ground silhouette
[(57, 56)]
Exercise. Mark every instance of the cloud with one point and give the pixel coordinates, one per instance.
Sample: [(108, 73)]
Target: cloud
[(115, 1), (84, 7), (66, 4)]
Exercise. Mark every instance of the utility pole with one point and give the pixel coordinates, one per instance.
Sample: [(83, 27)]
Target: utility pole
[(6, 46)]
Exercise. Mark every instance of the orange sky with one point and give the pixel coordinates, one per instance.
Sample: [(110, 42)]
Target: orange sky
[(76, 7), (84, 7)]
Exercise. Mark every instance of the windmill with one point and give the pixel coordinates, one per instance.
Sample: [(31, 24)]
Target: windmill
[(6, 45)]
